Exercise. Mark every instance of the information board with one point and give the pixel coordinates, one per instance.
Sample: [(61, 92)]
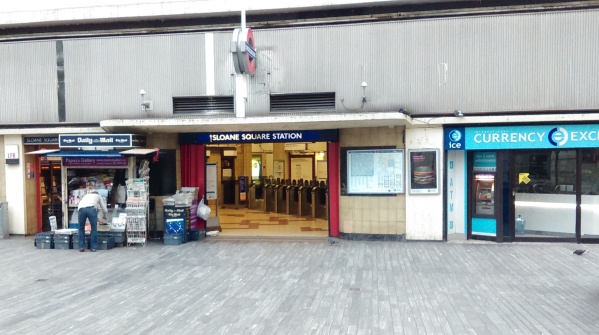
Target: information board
[(211, 181), (375, 171)]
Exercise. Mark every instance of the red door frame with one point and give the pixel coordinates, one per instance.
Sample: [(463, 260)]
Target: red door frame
[(333, 177)]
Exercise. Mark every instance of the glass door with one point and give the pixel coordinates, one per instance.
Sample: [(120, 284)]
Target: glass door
[(544, 194)]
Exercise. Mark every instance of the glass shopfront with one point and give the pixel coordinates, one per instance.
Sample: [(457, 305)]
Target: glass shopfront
[(527, 183), (545, 192), (589, 189)]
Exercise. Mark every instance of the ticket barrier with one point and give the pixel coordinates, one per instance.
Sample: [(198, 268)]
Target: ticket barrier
[(281, 198), (320, 203), (292, 206), (306, 200), (256, 197), (269, 197)]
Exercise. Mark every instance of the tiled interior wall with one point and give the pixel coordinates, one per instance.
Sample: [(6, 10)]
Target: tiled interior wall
[(372, 214)]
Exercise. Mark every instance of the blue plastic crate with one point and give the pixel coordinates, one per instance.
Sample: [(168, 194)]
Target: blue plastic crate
[(119, 237), (63, 244), (44, 240), (173, 239), (105, 243), (197, 234)]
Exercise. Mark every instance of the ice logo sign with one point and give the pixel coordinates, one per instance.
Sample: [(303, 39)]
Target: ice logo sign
[(455, 135), (558, 136), (455, 139)]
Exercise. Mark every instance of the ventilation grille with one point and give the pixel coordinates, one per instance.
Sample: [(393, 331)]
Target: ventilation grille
[(207, 105), (307, 102)]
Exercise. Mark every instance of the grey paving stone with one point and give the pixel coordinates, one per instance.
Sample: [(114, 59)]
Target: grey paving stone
[(245, 286)]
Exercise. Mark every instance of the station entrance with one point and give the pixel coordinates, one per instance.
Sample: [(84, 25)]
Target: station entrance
[(270, 189)]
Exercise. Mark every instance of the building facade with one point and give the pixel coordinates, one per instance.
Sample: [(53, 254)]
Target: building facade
[(392, 90)]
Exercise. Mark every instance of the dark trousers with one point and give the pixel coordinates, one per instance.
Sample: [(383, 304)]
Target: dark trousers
[(91, 214)]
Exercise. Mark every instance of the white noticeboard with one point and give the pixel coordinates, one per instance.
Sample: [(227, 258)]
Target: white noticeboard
[(321, 170), (375, 171), (211, 181)]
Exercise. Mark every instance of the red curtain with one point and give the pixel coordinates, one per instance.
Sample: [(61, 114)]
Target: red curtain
[(193, 166)]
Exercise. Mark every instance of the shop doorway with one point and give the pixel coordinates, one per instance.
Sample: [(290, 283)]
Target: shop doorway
[(271, 189), (50, 191)]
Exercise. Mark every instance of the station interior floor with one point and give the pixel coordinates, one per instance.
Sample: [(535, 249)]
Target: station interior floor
[(246, 222)]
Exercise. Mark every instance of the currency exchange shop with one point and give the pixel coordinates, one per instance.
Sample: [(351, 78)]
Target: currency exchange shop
[(523, 183)]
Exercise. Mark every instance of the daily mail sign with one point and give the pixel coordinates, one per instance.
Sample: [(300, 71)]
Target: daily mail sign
[(101, 140), (522, 137)]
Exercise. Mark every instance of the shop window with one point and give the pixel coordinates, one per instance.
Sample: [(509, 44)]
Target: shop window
[(163, 173), (589, 207), (545, 199)]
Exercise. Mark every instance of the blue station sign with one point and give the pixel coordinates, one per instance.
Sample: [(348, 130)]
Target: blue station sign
[(101, 140), (522, 137), (331, 135)]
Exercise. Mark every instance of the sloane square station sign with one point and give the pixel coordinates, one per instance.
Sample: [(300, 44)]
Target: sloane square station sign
[(331, 135)]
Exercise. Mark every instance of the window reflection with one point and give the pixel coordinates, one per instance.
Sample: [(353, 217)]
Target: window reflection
[(590, 194), (546, 192)]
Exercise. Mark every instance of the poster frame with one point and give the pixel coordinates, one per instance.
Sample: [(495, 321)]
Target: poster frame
[(413, 187)]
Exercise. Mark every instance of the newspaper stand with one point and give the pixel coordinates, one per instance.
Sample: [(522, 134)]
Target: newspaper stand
[(137, 211)]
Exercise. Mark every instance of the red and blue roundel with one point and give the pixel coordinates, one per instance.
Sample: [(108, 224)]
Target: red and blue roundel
[(244, 51), (250, 52)]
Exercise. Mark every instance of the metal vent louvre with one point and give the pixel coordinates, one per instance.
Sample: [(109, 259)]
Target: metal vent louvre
[(302, 102), (205, 105)]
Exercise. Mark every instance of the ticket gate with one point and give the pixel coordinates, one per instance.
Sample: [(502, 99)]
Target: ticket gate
[(269, 197), (320, 201), (281, 198), (256, 197), (292, 205), (306, 200)]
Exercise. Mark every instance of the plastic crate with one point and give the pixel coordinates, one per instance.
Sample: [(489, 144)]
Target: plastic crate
[(103, 227), (197, 234), (119, 237), (44, 240), (63, 238), (104, 234), (63, 244), (173, 239), (105, 243)]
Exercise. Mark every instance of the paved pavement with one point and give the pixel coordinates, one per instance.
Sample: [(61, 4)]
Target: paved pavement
[(249, 286)]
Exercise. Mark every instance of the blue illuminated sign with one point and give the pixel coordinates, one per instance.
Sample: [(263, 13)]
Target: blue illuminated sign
[(484, 161), (331, 135), (522, 137), (454, 139)]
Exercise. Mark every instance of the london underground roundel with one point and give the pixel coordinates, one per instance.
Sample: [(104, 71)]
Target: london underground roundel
[(244, 51)]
